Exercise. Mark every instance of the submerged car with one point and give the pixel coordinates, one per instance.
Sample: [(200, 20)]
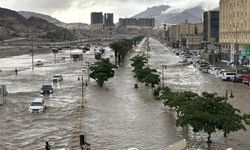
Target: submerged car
[(57, 78), (39, 63), (37, 106), (47, 89)]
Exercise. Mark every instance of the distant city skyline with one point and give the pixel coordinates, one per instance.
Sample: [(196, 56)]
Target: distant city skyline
[(79, 10)]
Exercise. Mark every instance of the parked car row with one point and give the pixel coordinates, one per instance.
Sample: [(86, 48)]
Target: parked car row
[(220, 72)]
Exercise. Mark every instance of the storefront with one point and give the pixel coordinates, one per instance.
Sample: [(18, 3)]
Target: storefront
[(244, 57)]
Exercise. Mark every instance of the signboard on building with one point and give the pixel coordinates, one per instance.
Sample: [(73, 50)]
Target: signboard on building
[(247, 50)]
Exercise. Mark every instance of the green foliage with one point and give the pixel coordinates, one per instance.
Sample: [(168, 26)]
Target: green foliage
[(102, 71), (138, 62), (122, 47), (144, 74), (160, 91), (137, 39), (207, 112), (153, 79)]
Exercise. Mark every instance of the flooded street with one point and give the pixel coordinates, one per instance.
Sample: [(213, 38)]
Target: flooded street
[(115, 117), (190, 78)]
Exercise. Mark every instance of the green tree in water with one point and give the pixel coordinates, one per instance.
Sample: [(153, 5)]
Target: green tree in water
[(102, 71)]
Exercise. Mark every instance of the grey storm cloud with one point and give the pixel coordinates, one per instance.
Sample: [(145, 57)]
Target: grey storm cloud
[(55, 5), (75, 10), (63, 4), (48, 4)]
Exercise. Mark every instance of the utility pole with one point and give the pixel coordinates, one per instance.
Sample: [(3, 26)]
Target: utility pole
[(162, 72), (236, 49), (32, 50), (88, 64), (82, 92), (70, 53)]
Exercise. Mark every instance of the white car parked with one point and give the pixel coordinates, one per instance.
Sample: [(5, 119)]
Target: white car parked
[(37, 106), (213, 70), (219, 73), (228, 76)]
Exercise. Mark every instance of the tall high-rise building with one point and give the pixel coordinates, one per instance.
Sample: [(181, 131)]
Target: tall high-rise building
[(235, 31), (108, 19), (96, 17), (96, 21), (211, 26)]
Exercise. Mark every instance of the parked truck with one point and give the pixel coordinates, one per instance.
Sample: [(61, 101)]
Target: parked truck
[(3, 93)]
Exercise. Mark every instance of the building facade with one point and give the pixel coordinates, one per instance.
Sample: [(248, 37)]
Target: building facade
[(139, 22), (109, 19), (96, 18), (211, 26), (187, 35), (96, 21), (235, 31)]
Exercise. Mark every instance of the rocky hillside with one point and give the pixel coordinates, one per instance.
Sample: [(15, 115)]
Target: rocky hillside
[(15, 25), (166, 14), (153, 12), (55, 21), (12, 21)]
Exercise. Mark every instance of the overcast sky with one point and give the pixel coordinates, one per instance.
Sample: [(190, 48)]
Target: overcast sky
[(79, 10)]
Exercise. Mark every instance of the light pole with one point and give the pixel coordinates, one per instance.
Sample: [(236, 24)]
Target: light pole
[(162, 73), (32, 49), (82, 92), (54, 50), (70, 53), (88, 64), (236, 46)]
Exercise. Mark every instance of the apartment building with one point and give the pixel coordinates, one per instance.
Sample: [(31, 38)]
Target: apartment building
[(96, 21), (211, 26), (235, 31), (186, 34), (139, 22)]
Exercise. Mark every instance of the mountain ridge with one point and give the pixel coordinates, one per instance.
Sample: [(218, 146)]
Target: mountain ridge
[(15, 25), (163, 14), (73, 25)]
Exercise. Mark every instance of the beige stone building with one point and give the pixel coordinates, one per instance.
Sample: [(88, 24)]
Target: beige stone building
[(235, 30), (186, 34)]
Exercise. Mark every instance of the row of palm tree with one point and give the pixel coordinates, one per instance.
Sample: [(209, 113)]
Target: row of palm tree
[(123, 46)]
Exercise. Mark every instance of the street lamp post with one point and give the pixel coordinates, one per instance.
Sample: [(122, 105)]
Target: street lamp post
[(88, 64), (82, 92), (162, 73), (70, 53), (236, 48), (54, 51), (32, 49)]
